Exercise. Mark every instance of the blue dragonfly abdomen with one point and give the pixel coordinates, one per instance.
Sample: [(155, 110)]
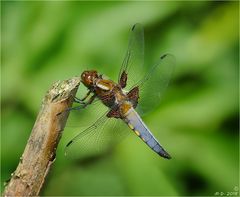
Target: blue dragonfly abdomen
[(135, 123)]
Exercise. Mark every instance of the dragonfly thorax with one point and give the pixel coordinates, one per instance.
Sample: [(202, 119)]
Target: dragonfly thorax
[(110, 93)]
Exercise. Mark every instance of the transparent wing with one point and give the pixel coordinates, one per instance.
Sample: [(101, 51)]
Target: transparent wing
[(89, 131), (100, 137), (103, 133), (80, 117), (155, 82), (134, 58)]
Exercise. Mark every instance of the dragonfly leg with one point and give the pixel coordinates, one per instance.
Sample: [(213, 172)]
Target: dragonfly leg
[(84, 105), (81, 101), (81, 106), (78, 100)]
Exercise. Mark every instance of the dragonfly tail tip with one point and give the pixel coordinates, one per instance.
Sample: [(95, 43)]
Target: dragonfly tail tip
[(165, 155)]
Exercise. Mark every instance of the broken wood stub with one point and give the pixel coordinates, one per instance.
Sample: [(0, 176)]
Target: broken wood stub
[(39, 153)]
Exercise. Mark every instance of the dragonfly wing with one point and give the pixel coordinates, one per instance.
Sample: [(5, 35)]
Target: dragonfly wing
[(99, 137), (134, 58), (152, 84), (79, 115), (89, 131), (137, 125), (155, 82)]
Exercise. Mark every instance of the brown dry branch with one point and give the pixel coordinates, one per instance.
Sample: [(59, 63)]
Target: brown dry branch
[(39, 153)]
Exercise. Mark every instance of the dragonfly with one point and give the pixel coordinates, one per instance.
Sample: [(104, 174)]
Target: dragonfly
[(130, 96)]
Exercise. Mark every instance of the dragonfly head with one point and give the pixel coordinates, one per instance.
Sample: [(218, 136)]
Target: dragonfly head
[(88, 78)]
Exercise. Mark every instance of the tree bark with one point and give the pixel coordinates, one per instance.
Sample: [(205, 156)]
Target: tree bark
[(40, 151)]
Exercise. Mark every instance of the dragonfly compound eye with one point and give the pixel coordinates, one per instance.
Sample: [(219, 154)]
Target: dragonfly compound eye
[(88, 78)]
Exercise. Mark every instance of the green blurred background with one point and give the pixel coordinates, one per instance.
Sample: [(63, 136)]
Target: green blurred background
[(197, 120)]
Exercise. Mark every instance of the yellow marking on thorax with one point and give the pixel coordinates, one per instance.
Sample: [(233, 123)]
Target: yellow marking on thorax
[(104, 84)]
